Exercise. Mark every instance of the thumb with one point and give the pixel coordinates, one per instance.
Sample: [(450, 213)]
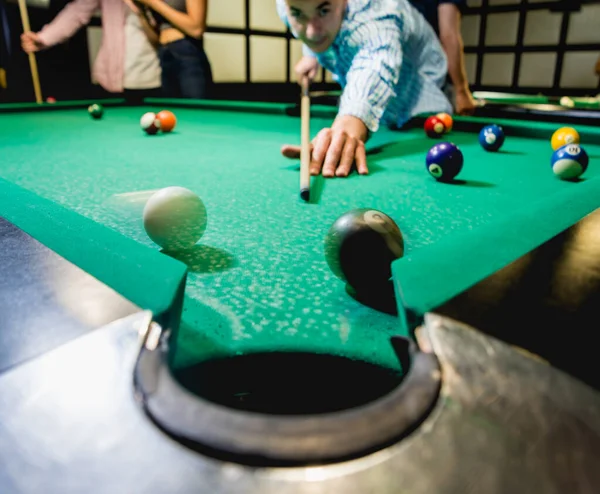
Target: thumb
[(290, 151)]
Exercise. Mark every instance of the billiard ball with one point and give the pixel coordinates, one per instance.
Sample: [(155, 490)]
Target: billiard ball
[(491, 137), (96, 111), (360, 247), (447, 120), (50, 99), (444, 161), (568, 102), (434, 127), (175, 218), (149, 123), (569, 161), (167, 120), (563, 136)]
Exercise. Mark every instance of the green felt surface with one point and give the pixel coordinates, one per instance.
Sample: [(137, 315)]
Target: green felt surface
[(466, 257), (536, 130), (258, 279)]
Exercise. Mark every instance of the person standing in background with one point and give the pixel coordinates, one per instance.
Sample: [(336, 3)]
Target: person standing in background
[(180, 27), (445, 18), (127, 62), (142, 72)]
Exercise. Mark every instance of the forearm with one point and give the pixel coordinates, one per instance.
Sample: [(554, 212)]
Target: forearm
[(453, 46), (68, 21), (182, 21), (149, 31)]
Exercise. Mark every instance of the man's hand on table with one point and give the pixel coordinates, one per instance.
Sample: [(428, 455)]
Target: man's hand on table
[(334, 150)]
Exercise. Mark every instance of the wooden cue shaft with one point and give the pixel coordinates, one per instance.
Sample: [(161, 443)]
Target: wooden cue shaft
[(32, 61), (305, 142)]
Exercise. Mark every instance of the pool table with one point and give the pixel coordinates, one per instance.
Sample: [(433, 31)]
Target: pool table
[(497, 98), (561, 109), (244, 364)]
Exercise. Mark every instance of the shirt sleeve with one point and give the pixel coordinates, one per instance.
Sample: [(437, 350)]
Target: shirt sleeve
[(282, 11), (69, 20), (374, 73), (307, 52)]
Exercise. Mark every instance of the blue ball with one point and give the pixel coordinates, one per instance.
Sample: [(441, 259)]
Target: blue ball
[(569, 162), (444, 161), (491, 137)]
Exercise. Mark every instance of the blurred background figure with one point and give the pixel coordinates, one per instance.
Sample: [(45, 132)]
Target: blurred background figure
[(180, 24), (127, 62), (445, 18)]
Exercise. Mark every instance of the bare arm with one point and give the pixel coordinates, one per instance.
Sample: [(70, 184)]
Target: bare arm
[(451, 38), (192, 22), (139, 10), (149, 30), (150, 33)]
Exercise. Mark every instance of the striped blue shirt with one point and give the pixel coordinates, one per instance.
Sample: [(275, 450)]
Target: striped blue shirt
[(388, 60)]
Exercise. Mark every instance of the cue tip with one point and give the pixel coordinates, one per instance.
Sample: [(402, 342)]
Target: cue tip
[(305, 194)]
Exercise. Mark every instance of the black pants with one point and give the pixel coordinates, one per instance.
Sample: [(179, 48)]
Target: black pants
[(186, 71)]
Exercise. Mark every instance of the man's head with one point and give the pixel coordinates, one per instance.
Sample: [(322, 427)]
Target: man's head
[(316, 22)]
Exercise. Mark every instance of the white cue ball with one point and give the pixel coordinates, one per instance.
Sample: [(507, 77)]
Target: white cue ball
[(175, 218), (150, 123)]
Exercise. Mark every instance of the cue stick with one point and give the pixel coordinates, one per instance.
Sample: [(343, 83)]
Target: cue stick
[(305, 142), (32, 61)]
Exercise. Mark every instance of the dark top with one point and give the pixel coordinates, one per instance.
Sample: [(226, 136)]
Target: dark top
[(177, 5), (429, 9)]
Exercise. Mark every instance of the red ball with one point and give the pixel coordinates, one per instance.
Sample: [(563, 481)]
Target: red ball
[(167, 120), (150, 123), (434, 127), (50, 99)]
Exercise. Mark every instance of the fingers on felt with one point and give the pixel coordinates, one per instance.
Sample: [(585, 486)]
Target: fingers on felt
[(321, 145), (347, 157), (361, 159), (334, 154)]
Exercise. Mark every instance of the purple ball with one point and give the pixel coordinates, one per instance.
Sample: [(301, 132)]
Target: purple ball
[(444, 161)]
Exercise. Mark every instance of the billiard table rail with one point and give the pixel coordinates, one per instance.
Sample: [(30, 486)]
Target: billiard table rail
[(503, 423)]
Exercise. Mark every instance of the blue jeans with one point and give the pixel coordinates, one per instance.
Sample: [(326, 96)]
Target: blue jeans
[(186, 71)]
